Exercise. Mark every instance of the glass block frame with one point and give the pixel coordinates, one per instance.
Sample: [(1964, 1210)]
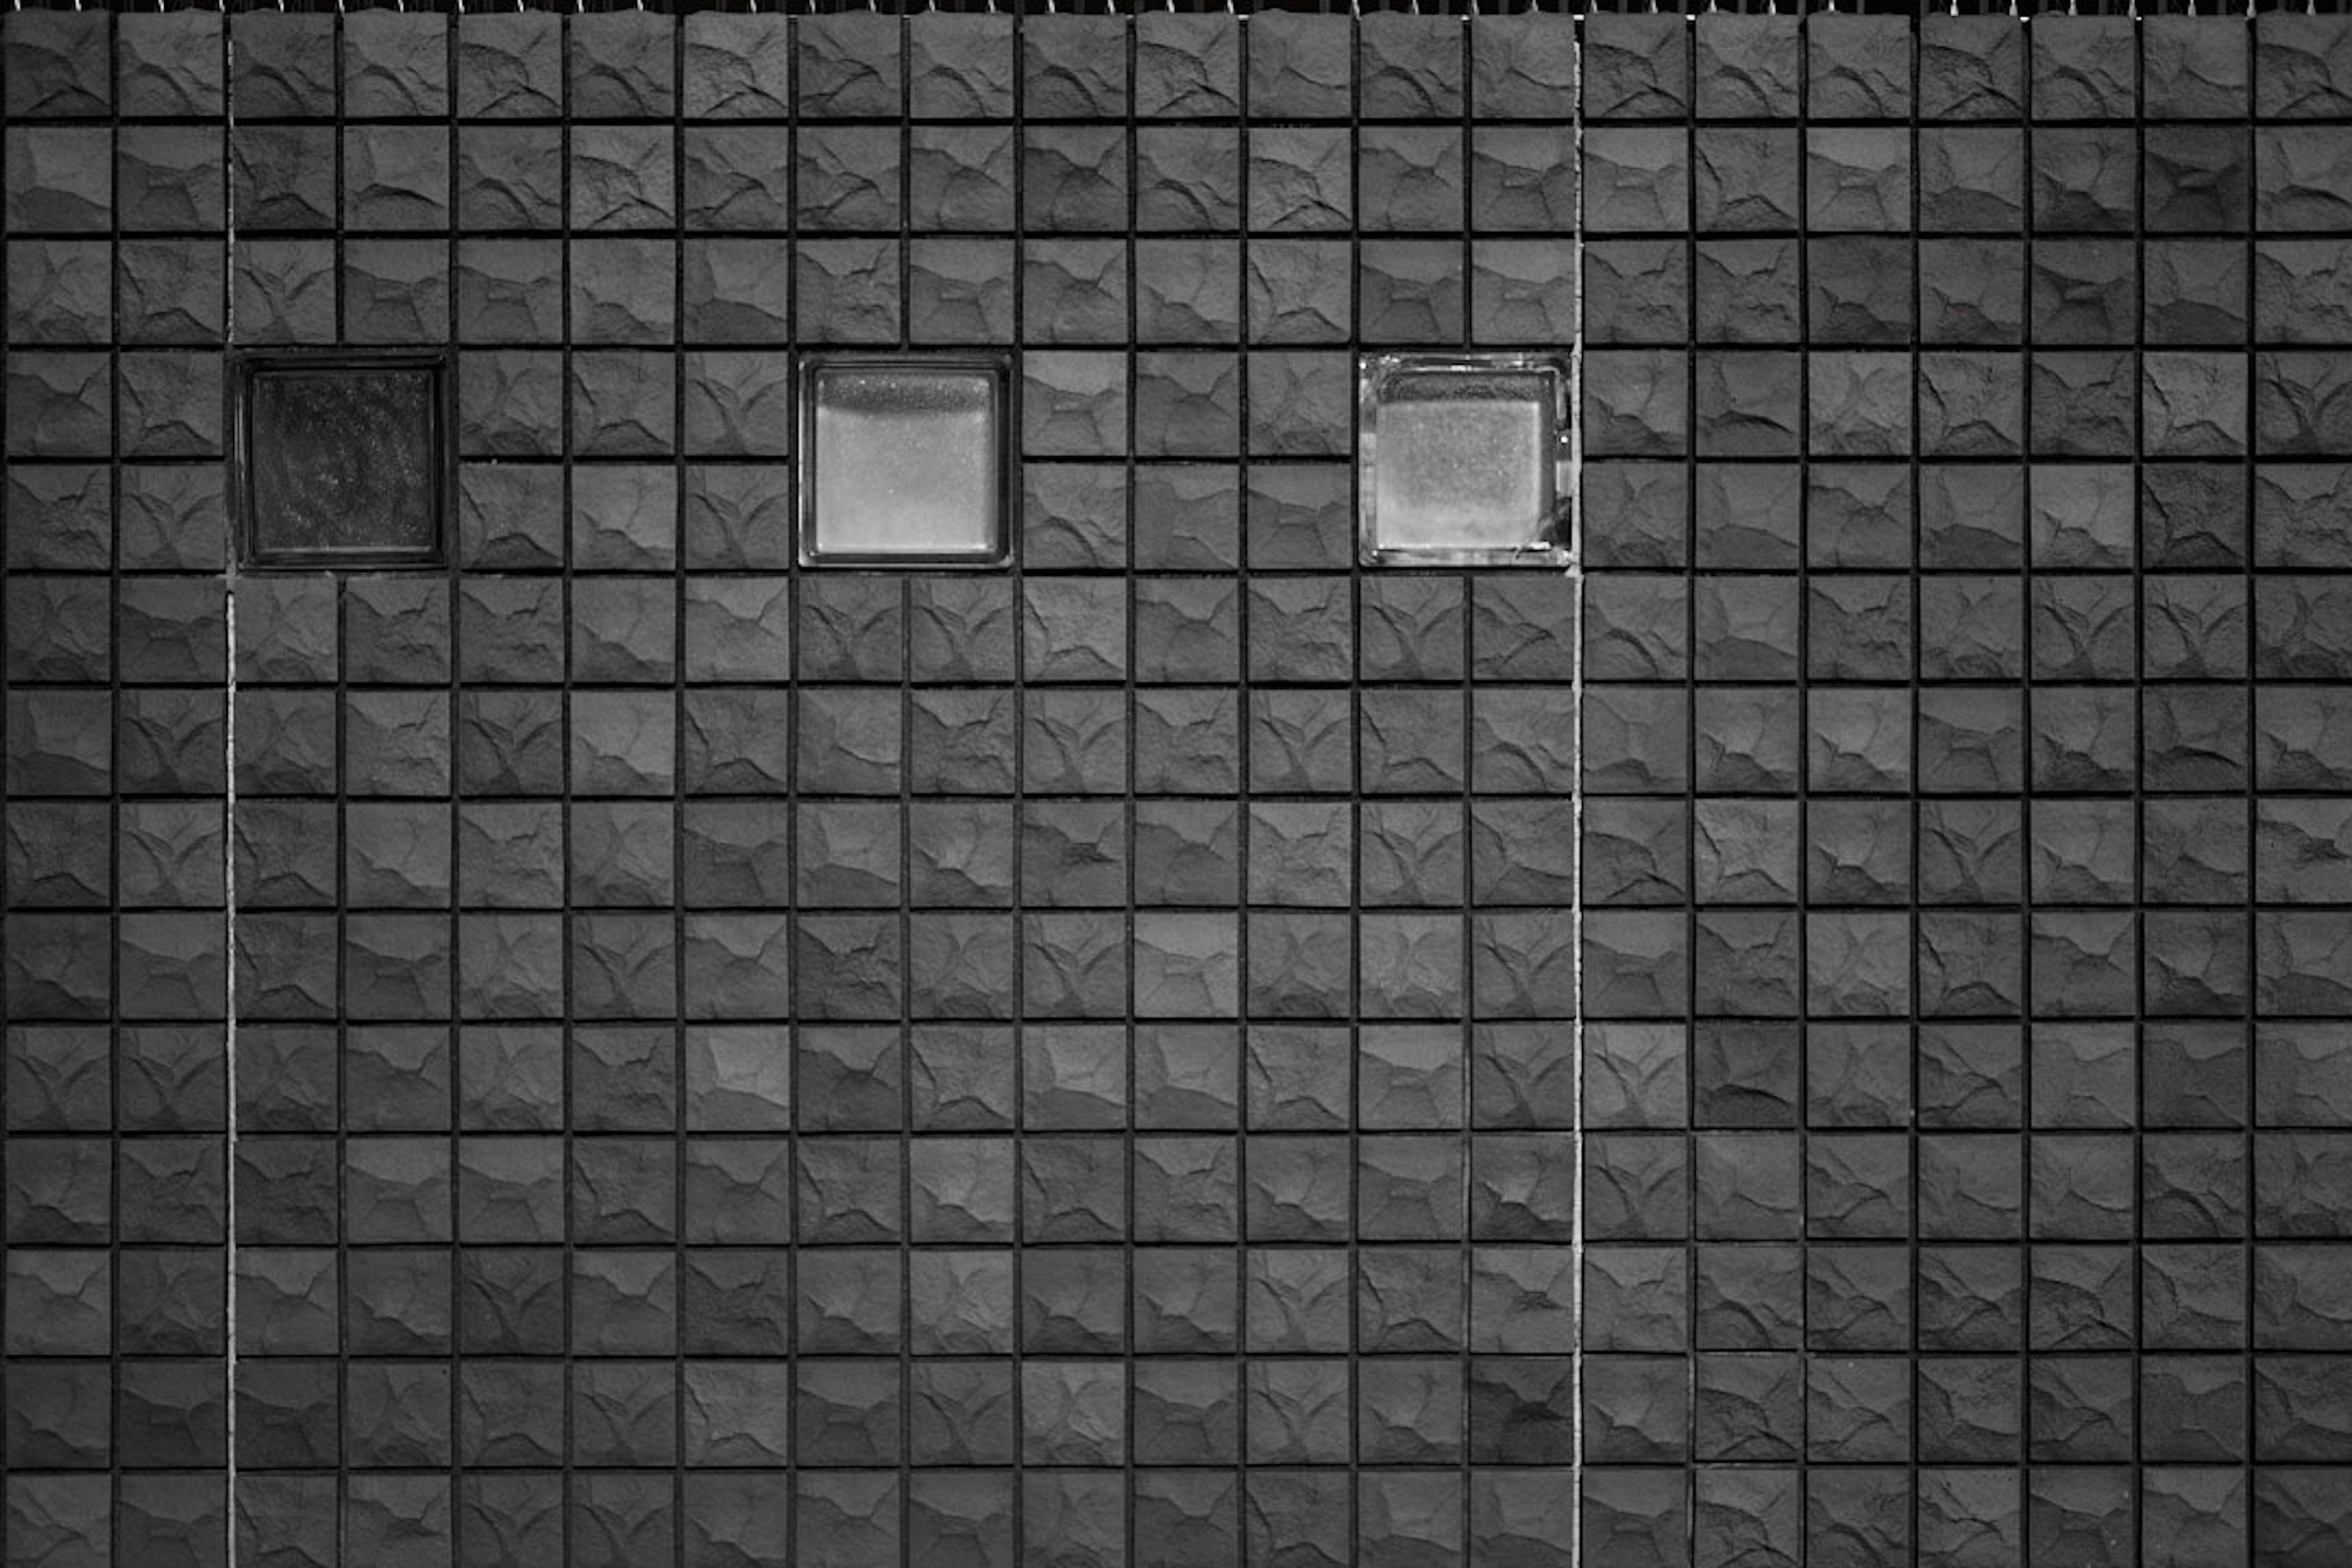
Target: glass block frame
[(1553, 535), (246, 373), (809, 476)]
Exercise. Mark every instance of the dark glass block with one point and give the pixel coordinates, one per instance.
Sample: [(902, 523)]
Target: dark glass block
[(342, 461)]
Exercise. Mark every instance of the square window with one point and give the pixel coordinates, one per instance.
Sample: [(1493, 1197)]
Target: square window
[(342, 459), (1464, 460), (902, 461)]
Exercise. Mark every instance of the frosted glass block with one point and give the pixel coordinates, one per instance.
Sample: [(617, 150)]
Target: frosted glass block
[(902, 462), (1465, 461)]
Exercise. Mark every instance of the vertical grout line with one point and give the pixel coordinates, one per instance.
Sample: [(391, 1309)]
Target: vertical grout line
[(446, 471), (1914, 915), (9, 926), (7, 1020), (903, 810), (2249, 563), (2027, 788), (1129, 47), (1465, 1033), (566, 1023), (1244, 696), (1576, 799), (1687, 1275), (228, 858), (229, 804), (681, 455), (343, 613), (1013, 489), (904, 915), (2141, 987), (1800, 764), (1354, 1006), (340, 585), (115, 698), (801, 424)]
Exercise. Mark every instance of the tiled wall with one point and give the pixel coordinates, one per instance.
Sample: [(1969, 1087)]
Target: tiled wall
[(115, 943), (736, 1064), (1075, 1066), (1967, 1073)]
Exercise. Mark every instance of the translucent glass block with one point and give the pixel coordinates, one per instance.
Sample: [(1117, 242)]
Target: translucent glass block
[(341, 461), (902, 461), (1464, 460)]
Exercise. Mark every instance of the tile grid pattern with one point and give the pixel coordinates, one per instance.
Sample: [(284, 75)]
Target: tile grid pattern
[(1965, 1071), (115, 941), (745, 1065), (2028, 1143)]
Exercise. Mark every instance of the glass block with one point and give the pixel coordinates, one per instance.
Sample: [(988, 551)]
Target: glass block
[(903, 461), (1464, 459), (341, 461)]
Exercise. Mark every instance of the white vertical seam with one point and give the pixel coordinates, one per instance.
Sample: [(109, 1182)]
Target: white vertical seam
[(228, 804), (1576, 802)]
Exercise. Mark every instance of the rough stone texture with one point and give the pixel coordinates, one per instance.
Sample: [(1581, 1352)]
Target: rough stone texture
[(1013, 995), (738, 1064), (116, 837), (1964, 802)]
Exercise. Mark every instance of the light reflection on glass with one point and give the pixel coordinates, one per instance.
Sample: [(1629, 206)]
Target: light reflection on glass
[(1462, 461), (904, 463)]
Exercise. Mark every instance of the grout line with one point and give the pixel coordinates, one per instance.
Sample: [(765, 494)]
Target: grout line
[(2026, 904), (679, 458), (452, 581), (228, 857), (1012, 490), (1575, 574), (233, 535)]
